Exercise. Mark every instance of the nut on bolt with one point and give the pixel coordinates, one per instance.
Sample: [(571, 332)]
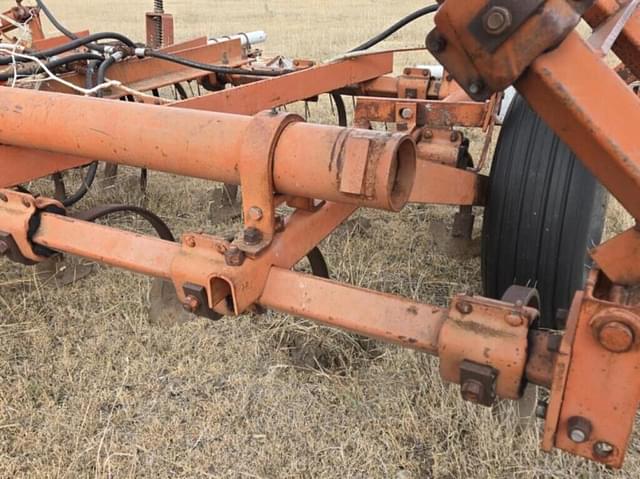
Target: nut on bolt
[(603, 449), (579, 429), (472, 391), (464, 307), (234, 256), (436, 43), (406, 113), (252, 236), (497, 20), (191, 304), (616, 337)]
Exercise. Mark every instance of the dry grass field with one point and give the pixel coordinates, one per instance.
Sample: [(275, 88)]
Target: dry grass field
[(89, 388)]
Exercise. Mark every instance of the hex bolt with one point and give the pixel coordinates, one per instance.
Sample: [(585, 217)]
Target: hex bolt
[(191, 304), (255, 213), (234, 256), (427, 135), (497, 20), (252, 236), (476, 87), (436, 43), (579, 429), (4, 247), (464, 307), (616, 337), (603, 449), (406, 113), (472, 391)]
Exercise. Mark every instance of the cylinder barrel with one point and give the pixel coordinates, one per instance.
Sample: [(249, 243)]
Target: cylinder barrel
[(367, 168)]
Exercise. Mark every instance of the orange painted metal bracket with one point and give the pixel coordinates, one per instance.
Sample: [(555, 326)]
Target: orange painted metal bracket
[(599, 354), (446, 185), (431, 113), (619, 258)]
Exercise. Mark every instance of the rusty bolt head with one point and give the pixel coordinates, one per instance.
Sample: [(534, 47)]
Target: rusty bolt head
[(616, 337), (4, 247), (406, 113), (464, 307), (603, 449), (255, 213), (455, 136), (436, 43), (476, 87), (427, 135), (579, 429), (234, 256), (472, 391), (514, 319), (190, 241), (497, 20), (191, 304), (252, 236)]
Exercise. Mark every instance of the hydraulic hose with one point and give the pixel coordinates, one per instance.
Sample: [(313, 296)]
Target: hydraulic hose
[(52, 52), (51, 65), (395, 27), (213, 68)]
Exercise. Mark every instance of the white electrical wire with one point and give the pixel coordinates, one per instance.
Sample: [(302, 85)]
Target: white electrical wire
[(51, 76)]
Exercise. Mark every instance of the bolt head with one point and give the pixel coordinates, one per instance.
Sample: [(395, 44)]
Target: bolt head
[(406, 113), (476, 87), (252, 236), (455, 136), (255, 213), (616, 337), (579, 429), (191, 304), (514, 319), (436, 43), (472, 391), (464, 307), (234, 256), (603, 449), (427, 134), (497, 20)]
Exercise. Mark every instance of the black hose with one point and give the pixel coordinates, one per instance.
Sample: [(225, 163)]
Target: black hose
[(87, 183), (71, 46), (214, 68), (67, 60), (54, 21), (102, 72), (395, 27), (341, 108)]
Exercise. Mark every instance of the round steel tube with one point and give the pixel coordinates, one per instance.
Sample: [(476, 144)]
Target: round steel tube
[(312, 161)]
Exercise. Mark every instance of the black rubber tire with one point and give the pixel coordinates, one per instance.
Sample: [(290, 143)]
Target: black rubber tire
[(544, 212)]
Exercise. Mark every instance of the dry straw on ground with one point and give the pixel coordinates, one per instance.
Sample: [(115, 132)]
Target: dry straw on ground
[(89, 388)]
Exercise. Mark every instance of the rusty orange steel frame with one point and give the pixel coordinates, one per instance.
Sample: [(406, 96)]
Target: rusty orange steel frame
[(325, 173)]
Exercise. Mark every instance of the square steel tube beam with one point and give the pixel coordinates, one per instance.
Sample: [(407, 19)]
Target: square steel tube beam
[(273, 92), (594, 112)]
